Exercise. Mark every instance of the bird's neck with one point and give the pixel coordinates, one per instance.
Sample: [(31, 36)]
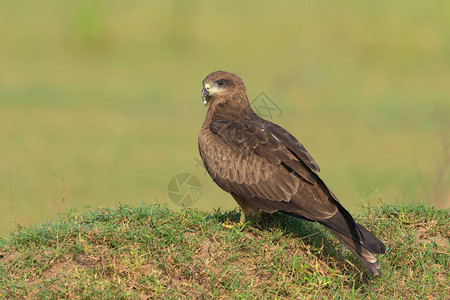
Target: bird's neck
[(229, 110)]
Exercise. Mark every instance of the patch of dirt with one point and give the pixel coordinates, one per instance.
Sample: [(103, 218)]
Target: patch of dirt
[(66, 264), (55, 269), (208, 249), (7, 258), (85, 261), (422, 235)]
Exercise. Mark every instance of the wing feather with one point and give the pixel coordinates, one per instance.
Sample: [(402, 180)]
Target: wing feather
[(261, 163)]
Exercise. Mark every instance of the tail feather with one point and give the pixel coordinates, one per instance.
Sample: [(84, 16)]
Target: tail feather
[(365, 256), (353, 235), (358, 234), (356, 238)]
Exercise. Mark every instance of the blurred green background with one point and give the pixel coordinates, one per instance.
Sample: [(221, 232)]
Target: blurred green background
[(100, 100)]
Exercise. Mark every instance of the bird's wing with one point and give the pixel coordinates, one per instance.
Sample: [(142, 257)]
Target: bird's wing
[(264, 164), (254, 161), (294, 146)]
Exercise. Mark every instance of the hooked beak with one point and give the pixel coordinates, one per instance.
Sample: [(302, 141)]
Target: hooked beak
[(205, 94)]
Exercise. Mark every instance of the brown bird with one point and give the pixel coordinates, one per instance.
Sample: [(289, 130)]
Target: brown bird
[(266, 169)]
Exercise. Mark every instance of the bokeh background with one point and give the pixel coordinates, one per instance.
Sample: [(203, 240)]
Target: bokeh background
[(100, 100)]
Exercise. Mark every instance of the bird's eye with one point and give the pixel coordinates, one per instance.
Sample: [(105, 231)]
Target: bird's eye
[(220, 82)]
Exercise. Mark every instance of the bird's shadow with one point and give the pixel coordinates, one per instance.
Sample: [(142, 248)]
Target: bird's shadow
[(311, 233)]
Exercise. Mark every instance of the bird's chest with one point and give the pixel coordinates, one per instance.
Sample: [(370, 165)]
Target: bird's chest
[(221, 156), (215, 149)]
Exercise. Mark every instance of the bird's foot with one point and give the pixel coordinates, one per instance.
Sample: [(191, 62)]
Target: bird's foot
[(231, 225)]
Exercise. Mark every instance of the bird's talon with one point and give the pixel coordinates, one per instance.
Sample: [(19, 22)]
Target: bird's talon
[(232, 225)]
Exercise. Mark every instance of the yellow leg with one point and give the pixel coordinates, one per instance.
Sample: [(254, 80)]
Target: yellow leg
[(247, 210)]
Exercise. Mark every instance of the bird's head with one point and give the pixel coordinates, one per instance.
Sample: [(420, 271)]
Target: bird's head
[(221, 86)]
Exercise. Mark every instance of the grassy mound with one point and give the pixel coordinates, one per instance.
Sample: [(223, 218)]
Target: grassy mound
[(154, 251)]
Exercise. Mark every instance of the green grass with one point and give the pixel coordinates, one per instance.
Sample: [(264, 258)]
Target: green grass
[(100, 100), (151, 250)]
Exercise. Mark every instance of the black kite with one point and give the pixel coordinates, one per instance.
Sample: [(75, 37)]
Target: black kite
[(266, 169)]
